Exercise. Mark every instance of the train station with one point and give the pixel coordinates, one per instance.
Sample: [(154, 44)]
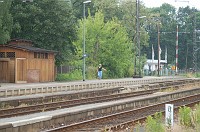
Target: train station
[(72, 106), (99, 66)]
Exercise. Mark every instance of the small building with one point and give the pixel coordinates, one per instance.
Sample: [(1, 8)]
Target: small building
[(20, 62), (151, 65)]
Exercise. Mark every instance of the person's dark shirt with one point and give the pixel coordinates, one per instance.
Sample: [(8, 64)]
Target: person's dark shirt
[(100, 68)]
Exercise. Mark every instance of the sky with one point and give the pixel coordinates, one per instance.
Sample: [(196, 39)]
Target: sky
[(175, 3)]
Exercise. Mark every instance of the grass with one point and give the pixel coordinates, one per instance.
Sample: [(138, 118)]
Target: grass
[(189, 121)]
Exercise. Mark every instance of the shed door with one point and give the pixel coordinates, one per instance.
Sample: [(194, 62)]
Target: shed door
[(20, 70), (4, 71)]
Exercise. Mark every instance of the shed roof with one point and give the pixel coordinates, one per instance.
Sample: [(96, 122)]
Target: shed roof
[(21, 40), (28, 48)]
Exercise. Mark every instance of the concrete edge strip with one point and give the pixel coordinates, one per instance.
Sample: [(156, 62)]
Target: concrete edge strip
[(5, 125), (30, 121)]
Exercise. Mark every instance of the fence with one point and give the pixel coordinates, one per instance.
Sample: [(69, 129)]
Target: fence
[(66, 69), (167, 72)]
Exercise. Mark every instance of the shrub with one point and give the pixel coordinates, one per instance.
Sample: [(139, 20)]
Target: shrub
[(91, 72), (75, 75), (197, 75), (185, 116), (196, 117), (154, 124)]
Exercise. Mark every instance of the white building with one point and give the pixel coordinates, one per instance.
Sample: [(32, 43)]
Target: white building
[(152, 65)]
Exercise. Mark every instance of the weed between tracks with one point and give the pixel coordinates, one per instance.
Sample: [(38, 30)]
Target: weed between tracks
[(188, 121), (4, 105)]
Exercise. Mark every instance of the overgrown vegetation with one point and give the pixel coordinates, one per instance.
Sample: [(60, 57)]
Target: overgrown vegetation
[(110, 32), (189, 120), (75, 75), (197, 117), (185, 117), (192, 75), (154, 123)]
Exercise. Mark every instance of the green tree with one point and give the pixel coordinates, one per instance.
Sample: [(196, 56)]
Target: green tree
[(164, 17), (106, 43), (110, 8), (186, 19), (48, 23), (6, 21)]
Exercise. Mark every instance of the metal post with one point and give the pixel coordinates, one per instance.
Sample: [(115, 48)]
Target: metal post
[(186, 60), (138, 29), (177, 49), (84, 55), (194, 46), (83, 41), (137, 35), (158, 49)]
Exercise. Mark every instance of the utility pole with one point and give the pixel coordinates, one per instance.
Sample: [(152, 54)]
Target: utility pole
[(186, 59), (177, 48), (137, 47), (138, 35), (136, 42), (194, 46), (158, 25)]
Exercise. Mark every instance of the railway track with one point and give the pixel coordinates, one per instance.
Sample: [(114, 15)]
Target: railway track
[(97, 98), (123, 120), (18, 111)]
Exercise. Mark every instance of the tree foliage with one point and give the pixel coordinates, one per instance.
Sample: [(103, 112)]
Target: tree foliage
[(48, 23), (110, 31), (6, 21), (106, 43)]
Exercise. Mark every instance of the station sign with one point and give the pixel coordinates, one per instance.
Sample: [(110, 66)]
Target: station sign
[(169, 115)]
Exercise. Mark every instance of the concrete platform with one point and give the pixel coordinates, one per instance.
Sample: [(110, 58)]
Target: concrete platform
[(11, 89), (43, 120)]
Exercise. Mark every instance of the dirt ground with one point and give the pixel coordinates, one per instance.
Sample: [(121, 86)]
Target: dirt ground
[(178, 128)]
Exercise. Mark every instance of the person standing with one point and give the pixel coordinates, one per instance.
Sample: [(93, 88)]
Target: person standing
[(99, 70)]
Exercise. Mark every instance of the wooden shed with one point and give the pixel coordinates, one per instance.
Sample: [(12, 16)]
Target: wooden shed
[(20, 62)]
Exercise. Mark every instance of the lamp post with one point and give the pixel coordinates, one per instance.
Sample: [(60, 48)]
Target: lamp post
[(84, 55), (138, 38)]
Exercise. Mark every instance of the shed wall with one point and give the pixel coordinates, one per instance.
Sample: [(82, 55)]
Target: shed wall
[(30, 70)]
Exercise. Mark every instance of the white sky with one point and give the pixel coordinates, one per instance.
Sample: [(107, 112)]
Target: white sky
[(177, 4)]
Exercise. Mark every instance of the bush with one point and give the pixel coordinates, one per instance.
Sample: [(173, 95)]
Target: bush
[(154, 124), (196, 117), (75, 75), (185, 117), (91, 72), (197, 75)]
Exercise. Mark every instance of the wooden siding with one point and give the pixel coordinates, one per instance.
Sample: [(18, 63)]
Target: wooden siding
[(12, 70), (21, 70), (18, 53), (4, 70), (7, 70), (45, 67)]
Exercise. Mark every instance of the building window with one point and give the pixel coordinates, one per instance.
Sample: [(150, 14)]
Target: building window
[(38, 55), (35, 54), (46, 56), (41, 55), (10, 55), (2, 54)]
